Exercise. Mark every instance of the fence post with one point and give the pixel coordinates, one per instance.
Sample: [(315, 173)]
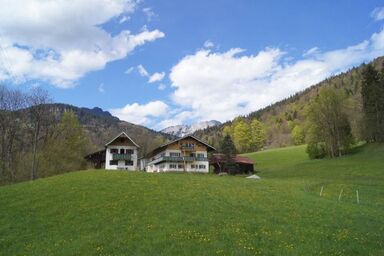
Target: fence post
[(341, 192)]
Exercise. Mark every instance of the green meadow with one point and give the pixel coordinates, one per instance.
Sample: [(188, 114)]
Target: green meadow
[(97, 212)]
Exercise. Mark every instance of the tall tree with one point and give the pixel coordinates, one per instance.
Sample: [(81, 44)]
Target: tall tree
[(328, 125), (297, 135), (228, 149), (65, 148), (242, 136), (11, 126), (372, 93), (259, 135), (41, 118)]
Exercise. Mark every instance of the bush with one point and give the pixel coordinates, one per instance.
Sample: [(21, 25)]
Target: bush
[(316, 150)]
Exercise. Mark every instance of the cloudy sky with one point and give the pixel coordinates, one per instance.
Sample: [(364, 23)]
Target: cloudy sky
[(162, 63)]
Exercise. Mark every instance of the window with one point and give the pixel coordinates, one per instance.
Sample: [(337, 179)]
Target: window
[(172, 166), (113, 162), (128, 162), (174, 154), (113, 150), (129, 151), (193, 166), (188, 145), (181, 166), (200, 155), (122, 151), (192, 155), (201, 166)]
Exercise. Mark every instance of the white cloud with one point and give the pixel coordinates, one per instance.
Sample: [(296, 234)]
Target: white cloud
[(100, 88), (129, 70), (161, 87), (208, 44), (142, 71), (378, 13), (149, 13), (312, 51), (141, 114), (124, 19), (54, 41), (222, 85), (156, 77)]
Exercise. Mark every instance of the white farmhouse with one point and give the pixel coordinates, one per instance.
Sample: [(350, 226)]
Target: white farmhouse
[(187, 154), (121, 153)]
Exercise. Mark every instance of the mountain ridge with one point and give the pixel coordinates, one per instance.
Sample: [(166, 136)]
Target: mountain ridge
[(183, 130), (100, 126)]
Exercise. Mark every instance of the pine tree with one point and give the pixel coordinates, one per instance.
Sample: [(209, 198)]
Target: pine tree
[(229, 151), (372, 93)]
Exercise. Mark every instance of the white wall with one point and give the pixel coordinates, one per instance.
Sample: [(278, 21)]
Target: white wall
[(165, 166), (121, 163)]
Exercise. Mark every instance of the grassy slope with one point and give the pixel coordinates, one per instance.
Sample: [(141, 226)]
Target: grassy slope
[(118, 213)]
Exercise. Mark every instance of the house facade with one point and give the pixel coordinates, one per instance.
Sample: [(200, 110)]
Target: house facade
[(121, 153), (187, 154)]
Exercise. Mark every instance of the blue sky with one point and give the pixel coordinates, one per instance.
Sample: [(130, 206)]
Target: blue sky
[(162, 63)]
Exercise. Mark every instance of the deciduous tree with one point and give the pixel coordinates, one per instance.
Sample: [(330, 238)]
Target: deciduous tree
[(259, 135), (328, 123)]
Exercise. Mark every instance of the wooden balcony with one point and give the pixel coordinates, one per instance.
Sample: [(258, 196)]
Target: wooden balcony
[(121, 156), (177, 159)]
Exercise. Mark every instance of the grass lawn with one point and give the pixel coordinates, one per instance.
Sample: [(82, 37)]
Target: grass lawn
[(130, 213)]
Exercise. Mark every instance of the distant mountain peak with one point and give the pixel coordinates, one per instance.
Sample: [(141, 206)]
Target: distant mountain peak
[(183, 130)]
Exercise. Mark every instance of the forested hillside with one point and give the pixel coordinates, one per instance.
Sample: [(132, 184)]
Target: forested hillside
[(39, 138), (283, 123), (100, 127)]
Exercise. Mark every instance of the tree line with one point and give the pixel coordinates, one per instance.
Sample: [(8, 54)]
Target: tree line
[(247, 135), (34, 140), (330, 114), (285, 121), (330, 117)]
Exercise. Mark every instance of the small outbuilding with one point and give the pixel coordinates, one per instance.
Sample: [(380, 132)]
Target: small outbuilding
[(244, 164)]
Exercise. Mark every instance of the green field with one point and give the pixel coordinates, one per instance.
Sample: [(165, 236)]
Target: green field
[(119, 213)]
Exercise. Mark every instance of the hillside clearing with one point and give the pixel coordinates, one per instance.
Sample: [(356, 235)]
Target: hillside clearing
[(119, 213)]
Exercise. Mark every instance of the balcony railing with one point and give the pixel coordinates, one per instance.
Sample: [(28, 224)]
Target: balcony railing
[(177, 159), (121, 157)]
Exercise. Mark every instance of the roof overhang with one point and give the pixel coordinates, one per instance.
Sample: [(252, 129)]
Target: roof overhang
[(124, 134)]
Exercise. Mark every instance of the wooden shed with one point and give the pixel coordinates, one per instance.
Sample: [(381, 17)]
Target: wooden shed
[(244, 164)]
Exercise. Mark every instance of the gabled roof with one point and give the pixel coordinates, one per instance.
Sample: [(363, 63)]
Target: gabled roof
[(238, 159), (188, 136), (158, 149), (124, 134)]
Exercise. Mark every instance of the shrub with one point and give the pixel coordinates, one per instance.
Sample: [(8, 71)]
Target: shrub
[(316, 150)]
